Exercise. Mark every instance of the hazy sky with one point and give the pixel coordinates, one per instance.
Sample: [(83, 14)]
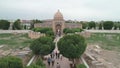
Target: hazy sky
[(71, 9)]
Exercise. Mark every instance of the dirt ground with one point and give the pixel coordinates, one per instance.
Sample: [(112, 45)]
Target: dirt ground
[(111, 59)]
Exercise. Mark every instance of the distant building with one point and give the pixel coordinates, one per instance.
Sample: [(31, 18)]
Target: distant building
[(26, 24), (57, 24)]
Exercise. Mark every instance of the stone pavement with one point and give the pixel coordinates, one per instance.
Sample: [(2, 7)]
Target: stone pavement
[(64, 63)]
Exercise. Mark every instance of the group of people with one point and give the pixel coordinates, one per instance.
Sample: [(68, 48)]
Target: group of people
[(52, 57)]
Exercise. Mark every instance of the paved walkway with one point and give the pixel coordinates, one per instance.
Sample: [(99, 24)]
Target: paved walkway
[(64, 63)]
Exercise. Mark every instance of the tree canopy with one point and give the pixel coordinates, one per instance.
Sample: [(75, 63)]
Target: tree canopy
[(73, 30), (42, 46), (48, 31), (72, 46), (108, 25), (91, 25), (10, 62), (84, 25), (4, 24), (37, 21), (17, 25)]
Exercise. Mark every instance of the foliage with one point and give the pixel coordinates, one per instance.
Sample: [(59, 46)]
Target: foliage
[(42, 46), (17, 25), (72, 46), (81, 66), (40, 62), (10, 62), (47, 31), (91, 25), (73, 30), (100, 25), (108, 25), (33, 66), (4, 24), (42, 30), (84, 25), (37, 21)]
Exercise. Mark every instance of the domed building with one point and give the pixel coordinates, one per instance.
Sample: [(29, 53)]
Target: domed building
[(57, 24)]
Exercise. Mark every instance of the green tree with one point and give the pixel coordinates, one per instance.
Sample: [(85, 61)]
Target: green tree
[(42, 46), (91, 25), (33, 66), (42, 30), (81, 66), (17, 25), (37, 21), (4, 24), (100, 25), (10, 62), (72, 46), (108, 25), (84, 25), (73, 30), (40, 62)]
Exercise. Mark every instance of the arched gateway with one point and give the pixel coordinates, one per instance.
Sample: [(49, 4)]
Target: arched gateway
[(58, 23)]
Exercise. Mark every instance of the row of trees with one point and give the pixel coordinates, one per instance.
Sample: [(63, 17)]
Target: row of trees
[(73, 30), (107, 25), (17, 24), (48, 31), (70, 46)]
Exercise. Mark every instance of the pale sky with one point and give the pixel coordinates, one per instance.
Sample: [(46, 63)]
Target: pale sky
[(82, 10)]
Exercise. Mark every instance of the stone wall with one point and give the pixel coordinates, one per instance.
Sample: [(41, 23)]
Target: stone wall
[(73, 25), (34, 35)]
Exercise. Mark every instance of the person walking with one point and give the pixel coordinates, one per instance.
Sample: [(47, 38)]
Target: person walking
[(49, 61), (61, 56), (53, 61), (56, 54)]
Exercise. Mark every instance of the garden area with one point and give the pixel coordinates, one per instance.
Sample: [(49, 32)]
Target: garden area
[(105, 40), (14, 41)]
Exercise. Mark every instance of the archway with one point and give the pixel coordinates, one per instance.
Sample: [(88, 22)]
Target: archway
[(58, 29)]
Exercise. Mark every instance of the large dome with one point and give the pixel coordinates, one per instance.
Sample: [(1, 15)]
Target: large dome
[(58, 16)]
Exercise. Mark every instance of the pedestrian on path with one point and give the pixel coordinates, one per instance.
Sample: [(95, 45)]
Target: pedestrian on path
[(57, 54), (49, 61), (58, 65), (53, 61), (61, 56), (52, 54)]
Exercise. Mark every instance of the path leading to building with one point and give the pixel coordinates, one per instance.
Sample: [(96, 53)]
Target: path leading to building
[(64, 63)]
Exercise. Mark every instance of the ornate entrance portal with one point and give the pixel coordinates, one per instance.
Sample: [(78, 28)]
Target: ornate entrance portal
[(58, 24), (58, 30)]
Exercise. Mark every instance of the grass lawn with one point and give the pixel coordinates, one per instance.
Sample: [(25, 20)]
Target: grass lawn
[(12, 41), (105, 40)]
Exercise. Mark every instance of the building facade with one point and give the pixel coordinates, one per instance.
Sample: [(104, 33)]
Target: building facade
[(57, 24)]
